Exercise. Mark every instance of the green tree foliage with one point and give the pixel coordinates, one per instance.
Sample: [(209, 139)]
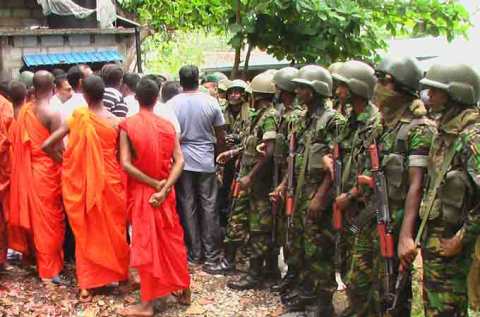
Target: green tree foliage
[(308, 31)]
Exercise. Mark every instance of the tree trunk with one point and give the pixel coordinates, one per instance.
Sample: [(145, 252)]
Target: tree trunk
[(238, 50), (247, 61)]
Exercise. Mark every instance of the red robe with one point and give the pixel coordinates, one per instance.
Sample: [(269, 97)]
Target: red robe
[(157, 251), (35, 193), (6, 118), (95, 201)]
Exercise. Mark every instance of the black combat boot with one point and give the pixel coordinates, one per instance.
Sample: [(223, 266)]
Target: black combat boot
[(272, 272), (286, 283), (250, 280), (229, 258)]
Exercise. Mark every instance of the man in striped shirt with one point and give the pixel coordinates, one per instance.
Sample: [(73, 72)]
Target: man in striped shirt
[(113, 99)]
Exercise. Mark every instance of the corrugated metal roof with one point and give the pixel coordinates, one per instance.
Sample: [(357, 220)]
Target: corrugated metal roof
[(71, 58)]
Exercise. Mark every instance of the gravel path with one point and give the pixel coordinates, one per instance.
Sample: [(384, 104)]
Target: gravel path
[(22, 294)]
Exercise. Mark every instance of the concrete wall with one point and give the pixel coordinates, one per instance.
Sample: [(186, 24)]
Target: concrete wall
[(12, 48), (21, 13)]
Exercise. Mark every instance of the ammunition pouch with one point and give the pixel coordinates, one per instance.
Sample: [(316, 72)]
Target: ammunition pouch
[(315, 166), (394, 168), (452, 194)]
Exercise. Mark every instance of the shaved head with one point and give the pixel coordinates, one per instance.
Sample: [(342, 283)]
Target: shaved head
[(43, 82)]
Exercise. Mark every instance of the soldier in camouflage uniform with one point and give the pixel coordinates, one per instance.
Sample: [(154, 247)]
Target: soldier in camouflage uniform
[(363, 124), (237, 117), (210, 82), (291, 113), (403, 149), (449, 212), (251, 217), (311, 228), (340, 93)]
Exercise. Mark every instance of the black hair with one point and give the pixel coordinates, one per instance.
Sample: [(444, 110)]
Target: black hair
[(170, 89), (4, 90), (93, 87), (156, 78), (131, 80), (74, 75), (189, 77), (112, 75), (147, 92), (17, 91)]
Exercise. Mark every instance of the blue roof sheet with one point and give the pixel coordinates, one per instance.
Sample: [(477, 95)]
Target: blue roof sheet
[(72, 58)]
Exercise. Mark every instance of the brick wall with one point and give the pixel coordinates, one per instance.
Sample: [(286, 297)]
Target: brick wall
[(20, 13), (12, 48)]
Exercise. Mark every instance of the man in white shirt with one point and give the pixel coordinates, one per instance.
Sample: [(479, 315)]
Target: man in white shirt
[(63, 93), (75, 76), (129, 84)]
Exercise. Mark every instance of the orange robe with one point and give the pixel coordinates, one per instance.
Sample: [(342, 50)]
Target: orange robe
[(6, 117), (35, 192), (158, 251), (95, 201)]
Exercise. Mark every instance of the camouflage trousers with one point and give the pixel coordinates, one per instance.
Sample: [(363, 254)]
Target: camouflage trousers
[(318, 277), (250, 224), (294, 241), (366, 278), (444, 279)]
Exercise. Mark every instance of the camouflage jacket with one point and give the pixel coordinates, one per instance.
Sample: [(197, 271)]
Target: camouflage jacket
[(353, 140), (236, 127), (402, 145), (456, 200), (315, 134), (263, 126)]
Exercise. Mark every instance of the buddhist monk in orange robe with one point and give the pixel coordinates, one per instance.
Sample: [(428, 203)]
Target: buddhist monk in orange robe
[(19, 238), (6, 118), (35, 191), (93, 192), (151, 155)]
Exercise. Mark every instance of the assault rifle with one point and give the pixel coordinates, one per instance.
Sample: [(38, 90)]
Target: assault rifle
[(384, 223), (290, 204), (337, 218)]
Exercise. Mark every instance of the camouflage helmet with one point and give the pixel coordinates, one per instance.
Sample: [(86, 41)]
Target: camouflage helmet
[(26, 77), (358, 76), (405, 70), (461, 82), (263, 83), (223, 84), (214, 77), (317, 78), (333, 68), (283, 78), (237, 83)]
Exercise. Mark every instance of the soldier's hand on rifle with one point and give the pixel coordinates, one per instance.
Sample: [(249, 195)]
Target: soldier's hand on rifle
[(407, 251), (451, 247), (245, 182), (343, 200), (278, 194)]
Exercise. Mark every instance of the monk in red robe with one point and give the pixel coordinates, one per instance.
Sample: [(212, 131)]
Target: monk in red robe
[(6, 118), (93, 192), (150, 153), (19, 238), (35, 191)]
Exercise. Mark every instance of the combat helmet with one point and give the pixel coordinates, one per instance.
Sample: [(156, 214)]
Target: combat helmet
[(26, 77), (237, 83), (223, 85), (214, 77), (461, 82), (333, 68), (358, 76), (405, 71), (283, 78), (317, 78), (263, 84)]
